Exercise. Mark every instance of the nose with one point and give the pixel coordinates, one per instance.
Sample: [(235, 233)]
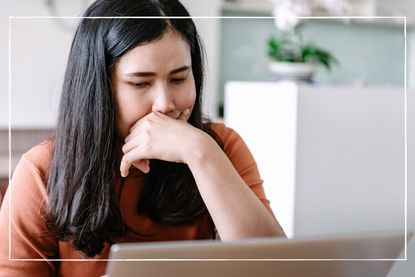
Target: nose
[(163, 102)]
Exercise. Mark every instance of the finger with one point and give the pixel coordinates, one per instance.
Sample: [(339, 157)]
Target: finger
[(136, 128), (132, 142), (141, 120), (133, 158), (128, 137), (124, 166), (143, 165)]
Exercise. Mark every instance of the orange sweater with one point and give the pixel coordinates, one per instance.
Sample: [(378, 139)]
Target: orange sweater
[(29, 238)]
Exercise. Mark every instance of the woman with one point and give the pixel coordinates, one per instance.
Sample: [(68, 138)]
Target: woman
[(131, 158)]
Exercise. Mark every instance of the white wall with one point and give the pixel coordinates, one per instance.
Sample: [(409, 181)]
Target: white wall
[(39, 51), (39, 54), (209, 33), (396, 8)]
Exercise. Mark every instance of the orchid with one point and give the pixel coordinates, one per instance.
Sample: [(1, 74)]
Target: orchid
[(287, 46), (288, 11)]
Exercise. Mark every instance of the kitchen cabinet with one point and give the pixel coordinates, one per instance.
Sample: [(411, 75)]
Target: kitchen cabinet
[(330, 156)]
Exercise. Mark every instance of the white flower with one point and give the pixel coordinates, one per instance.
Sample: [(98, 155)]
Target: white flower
[(288, 11)]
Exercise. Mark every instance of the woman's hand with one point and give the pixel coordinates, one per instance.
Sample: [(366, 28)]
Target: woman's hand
[(158, 136), (235, 210)]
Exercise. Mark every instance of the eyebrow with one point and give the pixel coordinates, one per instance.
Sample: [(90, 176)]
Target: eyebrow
[(147, 74)]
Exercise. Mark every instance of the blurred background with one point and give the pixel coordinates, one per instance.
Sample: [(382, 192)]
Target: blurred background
[(330, 148)]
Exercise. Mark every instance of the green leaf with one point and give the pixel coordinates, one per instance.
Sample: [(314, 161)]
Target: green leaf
[(284, 49)]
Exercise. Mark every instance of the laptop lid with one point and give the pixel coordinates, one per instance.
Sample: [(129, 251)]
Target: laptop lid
[(347, 255)]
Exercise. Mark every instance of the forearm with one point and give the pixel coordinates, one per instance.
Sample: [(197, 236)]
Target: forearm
[(235, 209)]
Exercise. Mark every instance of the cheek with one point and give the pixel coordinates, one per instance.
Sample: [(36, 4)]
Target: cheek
[(188, 102), (187, 98), (129, 108)]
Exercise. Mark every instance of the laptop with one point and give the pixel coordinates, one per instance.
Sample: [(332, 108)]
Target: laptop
[(334, 256)]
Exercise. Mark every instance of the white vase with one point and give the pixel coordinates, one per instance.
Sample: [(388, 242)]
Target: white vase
[(292, 71)]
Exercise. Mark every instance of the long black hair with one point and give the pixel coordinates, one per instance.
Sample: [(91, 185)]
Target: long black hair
[(82, 204)]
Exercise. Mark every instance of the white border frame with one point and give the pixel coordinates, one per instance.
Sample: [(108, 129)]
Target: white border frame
[(11, 18)]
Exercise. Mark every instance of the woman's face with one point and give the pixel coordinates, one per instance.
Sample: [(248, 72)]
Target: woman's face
[(153, 77)]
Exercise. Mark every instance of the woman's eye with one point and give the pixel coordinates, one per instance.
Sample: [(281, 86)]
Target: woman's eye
[(141, 85), (178, 80)]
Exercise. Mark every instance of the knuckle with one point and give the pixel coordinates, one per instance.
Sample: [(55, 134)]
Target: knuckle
[(147, 124)]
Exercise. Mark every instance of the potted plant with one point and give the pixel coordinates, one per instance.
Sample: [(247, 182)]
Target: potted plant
[(291, 59)]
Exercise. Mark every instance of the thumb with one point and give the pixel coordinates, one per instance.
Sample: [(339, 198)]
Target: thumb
[(143, 165)]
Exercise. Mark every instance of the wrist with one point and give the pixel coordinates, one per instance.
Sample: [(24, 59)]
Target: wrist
[(201, 148)]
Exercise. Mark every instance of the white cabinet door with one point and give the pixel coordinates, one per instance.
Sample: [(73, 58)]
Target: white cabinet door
[(265, 115)]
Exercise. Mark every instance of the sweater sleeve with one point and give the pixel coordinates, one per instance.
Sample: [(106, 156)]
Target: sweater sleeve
[(23, 208), (241, 158)]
